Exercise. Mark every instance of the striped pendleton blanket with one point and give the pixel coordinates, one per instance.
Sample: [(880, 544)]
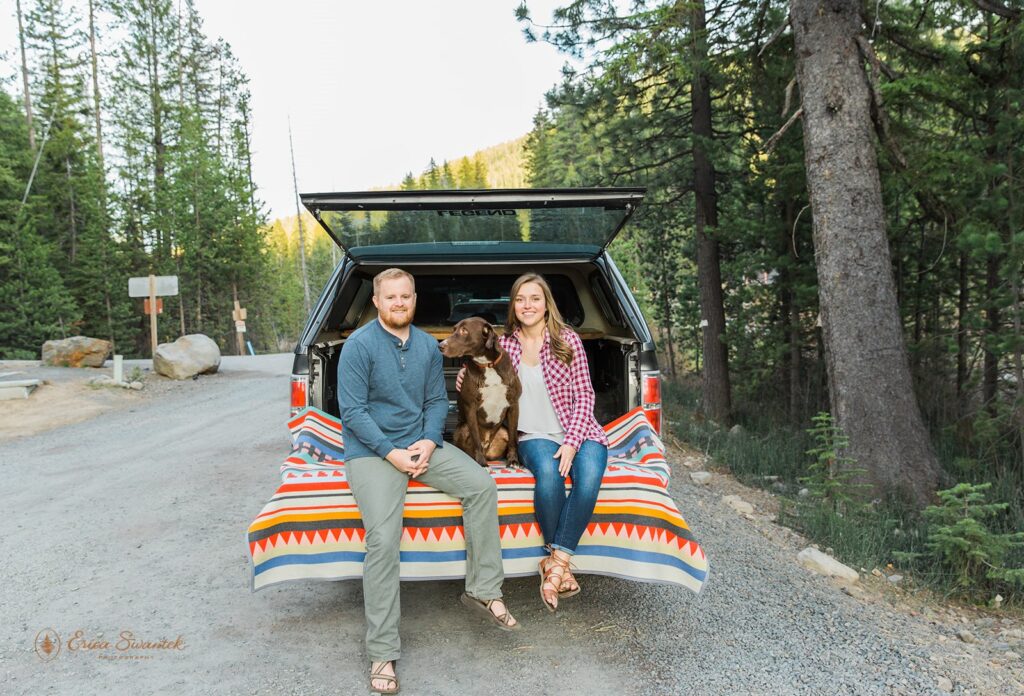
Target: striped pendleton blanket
[(311, 529)]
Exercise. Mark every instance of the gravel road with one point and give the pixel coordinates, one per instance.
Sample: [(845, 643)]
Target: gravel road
[(135, 521)]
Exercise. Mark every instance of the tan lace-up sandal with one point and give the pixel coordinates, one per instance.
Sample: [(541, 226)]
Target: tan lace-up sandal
[(568, 586), (552, 572)]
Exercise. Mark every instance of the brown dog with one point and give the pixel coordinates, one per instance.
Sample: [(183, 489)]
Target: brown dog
[(489, 399)]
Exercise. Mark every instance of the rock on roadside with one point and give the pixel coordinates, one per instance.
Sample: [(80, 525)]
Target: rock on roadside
[(700, 477), (823, 564), (738, 504), (77, 351), (194, 354)]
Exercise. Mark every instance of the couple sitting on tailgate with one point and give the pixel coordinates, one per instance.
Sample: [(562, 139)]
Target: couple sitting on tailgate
[(393, 403)]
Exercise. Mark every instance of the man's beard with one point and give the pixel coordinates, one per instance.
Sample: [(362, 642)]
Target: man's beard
[(400, 322)]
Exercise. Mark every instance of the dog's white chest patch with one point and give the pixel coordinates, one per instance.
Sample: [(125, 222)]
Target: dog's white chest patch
[(493, 395)]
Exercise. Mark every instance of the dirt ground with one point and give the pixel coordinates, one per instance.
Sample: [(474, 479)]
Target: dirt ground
[(133, 520), (60, 400), (66, 396)]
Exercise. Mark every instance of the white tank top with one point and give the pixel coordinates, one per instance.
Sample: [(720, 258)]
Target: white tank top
[(537, 417)]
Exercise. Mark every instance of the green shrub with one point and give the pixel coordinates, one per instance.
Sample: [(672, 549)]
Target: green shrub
[(832, 475), (959, 539), (964, 546)]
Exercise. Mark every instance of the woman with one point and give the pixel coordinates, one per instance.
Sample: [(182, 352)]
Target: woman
[(558, 433)]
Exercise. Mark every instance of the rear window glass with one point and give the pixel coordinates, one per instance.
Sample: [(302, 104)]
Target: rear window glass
[(447, 300), (588, 226)]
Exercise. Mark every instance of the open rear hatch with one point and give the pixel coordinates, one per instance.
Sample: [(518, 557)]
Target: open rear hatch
[(474, 225)]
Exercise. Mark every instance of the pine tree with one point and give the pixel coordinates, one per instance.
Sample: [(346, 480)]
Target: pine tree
[(34, 304), (887, 439), (638, 113)]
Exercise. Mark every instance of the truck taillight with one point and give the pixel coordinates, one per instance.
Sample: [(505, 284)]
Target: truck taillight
[(298, 393), (650, 393)]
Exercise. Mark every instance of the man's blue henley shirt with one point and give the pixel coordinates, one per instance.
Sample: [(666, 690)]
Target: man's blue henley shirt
[(390, 394)]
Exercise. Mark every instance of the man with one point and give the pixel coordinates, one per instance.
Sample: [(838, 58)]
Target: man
[(393, 404)]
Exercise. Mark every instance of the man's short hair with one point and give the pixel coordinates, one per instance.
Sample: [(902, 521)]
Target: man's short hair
[(391, 274)]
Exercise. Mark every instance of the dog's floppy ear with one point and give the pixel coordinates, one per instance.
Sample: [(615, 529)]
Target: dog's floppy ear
[(491, 338)]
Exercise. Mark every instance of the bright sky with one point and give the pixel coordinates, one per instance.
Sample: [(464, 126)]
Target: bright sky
[(373, 89)]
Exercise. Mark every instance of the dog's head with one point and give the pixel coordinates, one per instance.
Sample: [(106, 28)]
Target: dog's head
[(472, 337)]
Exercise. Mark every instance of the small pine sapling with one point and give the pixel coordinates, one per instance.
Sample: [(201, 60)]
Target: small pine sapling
[(959, 539), (832, 474)]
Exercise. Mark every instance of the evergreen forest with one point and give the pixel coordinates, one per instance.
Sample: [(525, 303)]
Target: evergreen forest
[(789, 289), (830, 250)]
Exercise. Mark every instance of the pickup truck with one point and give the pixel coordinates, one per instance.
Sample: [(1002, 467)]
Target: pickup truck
[(465, 248)]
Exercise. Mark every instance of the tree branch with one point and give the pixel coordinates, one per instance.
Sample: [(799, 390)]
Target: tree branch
[(881, 118), (789, 96), (997, 9), (775, 34), (772, 141)]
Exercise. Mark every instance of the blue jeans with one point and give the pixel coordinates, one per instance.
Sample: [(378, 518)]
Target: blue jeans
[(564, 519)]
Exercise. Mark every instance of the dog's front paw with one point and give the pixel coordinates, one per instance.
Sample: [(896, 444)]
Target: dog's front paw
[(513, 461), (482, 461)]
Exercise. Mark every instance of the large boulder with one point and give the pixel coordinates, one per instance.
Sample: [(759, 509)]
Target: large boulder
[(195, 354), (77, 351)]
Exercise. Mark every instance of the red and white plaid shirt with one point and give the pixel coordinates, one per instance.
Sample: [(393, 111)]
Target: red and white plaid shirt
[(569, 386)]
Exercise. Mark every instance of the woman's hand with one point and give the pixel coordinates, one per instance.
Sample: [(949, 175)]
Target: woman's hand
[(459, 377), (564, 454)]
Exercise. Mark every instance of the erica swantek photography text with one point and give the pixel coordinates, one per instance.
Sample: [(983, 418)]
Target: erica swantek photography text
[(126, 645)]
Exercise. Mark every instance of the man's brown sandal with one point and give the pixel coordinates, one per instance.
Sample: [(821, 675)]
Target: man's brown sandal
[(378, 675), (482, 607)]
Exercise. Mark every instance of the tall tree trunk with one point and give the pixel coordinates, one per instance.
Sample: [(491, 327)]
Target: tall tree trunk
[(669, 349), (247, 141), (199, 301), (181, 296), (24, 81), (220, 98), (919, 279), (163, 244), (72, 216), (961, 338), (96, 84), (110, 322), (789, 314), (715, 376), (302, 234), (1018, 359), (990, 369), (870, 388), (796, 367)]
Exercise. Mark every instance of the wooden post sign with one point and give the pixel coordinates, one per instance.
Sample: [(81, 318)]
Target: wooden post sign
[(239, 316), (150, 287)]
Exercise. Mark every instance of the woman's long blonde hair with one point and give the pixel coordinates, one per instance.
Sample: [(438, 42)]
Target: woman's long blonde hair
[(552, 317)]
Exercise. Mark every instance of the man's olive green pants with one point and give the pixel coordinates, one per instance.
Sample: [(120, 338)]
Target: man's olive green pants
[(379, 490)]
